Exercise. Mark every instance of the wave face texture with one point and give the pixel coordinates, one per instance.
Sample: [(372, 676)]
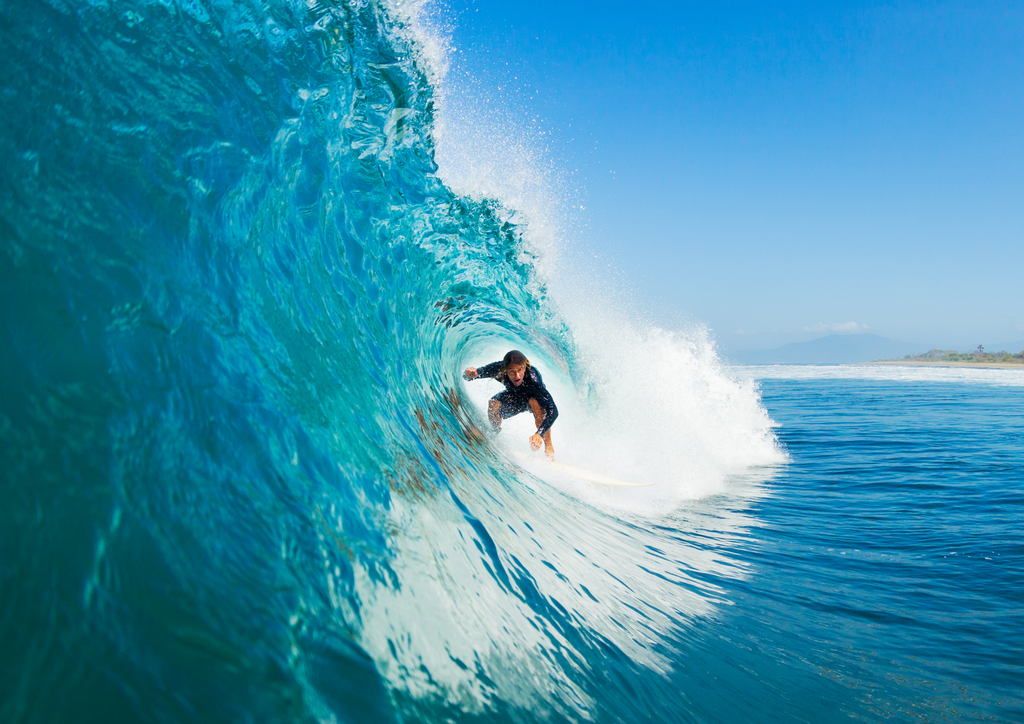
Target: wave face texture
[(242, 478)]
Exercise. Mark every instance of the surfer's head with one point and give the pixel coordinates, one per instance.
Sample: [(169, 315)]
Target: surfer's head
[(514, 365)]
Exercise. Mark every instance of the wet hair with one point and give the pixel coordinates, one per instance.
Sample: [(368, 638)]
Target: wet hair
[(514, 357)]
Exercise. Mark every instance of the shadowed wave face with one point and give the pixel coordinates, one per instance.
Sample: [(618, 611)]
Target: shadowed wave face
[(241, 481)]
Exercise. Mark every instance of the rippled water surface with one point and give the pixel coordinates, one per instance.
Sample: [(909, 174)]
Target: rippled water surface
[(889, 555)]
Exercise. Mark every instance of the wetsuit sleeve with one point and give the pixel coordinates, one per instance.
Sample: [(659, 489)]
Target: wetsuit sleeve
[(491, 370), (547, 403)]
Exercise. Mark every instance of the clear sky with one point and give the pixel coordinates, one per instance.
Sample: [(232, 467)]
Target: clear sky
[(780, 171)]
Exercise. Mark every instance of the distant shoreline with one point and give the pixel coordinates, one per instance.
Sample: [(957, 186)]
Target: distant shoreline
[(940, 363)]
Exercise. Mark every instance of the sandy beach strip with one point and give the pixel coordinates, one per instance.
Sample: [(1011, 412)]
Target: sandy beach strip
[(921, 363)]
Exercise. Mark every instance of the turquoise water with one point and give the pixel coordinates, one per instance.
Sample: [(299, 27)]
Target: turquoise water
[(244, 481)]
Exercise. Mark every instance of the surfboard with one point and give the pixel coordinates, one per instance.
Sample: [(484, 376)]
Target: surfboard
[(588, 475)]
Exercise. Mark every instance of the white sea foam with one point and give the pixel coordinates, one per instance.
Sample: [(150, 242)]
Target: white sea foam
[(647, 403), (895, 373), (651, 406)]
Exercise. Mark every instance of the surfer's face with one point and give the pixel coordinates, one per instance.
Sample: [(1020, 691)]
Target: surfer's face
[(516, 373)]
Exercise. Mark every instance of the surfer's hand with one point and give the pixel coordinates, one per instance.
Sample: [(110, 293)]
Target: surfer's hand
[(535, 442), (470, 373)]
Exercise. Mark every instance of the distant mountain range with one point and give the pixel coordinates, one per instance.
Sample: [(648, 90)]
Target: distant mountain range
[(833, 349)]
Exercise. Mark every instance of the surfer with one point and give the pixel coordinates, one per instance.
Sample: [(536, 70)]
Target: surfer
[(524, 388)]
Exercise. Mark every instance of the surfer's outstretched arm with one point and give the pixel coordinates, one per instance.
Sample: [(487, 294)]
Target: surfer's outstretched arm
[(491, 370)]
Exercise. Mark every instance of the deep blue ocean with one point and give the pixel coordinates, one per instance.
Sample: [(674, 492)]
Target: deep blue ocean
[(244, 481)]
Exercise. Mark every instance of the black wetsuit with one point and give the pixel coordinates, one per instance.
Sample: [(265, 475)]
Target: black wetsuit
[(517, 399)]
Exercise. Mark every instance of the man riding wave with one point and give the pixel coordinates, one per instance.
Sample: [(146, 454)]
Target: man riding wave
[(524, 388)]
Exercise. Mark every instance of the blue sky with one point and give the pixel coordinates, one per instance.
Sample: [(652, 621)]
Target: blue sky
[(780, 171)]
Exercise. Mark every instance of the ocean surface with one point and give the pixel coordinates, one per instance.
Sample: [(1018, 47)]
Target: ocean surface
[(241, 271)]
